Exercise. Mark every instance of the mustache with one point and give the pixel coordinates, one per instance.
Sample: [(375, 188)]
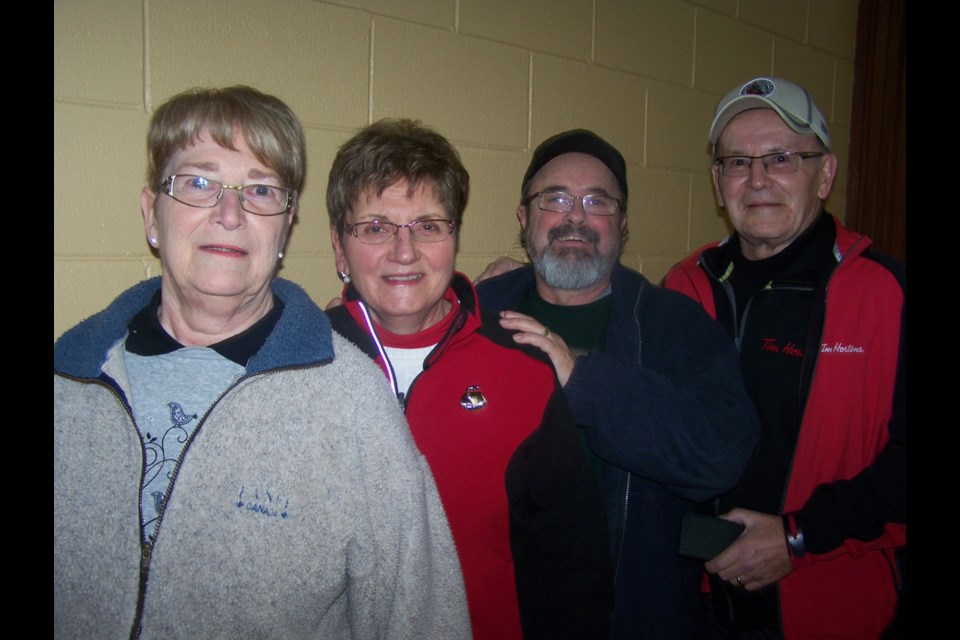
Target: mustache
[(568, 229)]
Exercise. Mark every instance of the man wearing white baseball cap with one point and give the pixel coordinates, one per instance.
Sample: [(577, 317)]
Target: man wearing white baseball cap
[(818, 318)]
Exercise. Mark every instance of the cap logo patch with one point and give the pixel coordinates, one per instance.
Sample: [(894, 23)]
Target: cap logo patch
[(758, 87)]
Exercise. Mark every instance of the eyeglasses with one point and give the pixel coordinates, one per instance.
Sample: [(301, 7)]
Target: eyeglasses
[(594, 204), (780, 163), (198, 191), (381, 232)]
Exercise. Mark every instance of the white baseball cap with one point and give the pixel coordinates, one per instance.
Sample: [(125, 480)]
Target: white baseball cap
[(791, 102)]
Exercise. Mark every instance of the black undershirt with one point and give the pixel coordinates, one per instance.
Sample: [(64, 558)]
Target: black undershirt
[(583, 328), (147, 337)]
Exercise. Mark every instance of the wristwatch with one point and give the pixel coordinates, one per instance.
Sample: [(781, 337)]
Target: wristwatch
[(794, 536)]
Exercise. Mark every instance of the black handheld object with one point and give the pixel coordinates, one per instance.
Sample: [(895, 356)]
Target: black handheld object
[(703, 537)]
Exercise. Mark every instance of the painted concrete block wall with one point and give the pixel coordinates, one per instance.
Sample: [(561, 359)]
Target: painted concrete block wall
[(494, 76)]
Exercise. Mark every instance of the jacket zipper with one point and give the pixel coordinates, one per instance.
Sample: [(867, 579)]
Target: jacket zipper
[(445, 341), (819, 338), (740, 326), (626, 493), (404, 397), (813, 374), (147, 546), (623, 529)]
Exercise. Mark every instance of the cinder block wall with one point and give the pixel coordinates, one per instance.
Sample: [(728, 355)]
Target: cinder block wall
[(494, 76)]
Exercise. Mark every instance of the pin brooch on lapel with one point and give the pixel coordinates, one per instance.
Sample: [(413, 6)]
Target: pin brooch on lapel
[(473, 399)]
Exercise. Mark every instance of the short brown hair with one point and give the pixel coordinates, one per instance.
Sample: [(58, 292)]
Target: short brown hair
[(271, 130), (391, 150)]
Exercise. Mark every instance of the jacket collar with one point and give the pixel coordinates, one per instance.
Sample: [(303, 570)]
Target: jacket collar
[(506, 290), (301, 337), (353, 323), (716, 259)]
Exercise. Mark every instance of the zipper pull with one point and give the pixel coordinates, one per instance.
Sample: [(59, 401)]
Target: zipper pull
[(146, 551)]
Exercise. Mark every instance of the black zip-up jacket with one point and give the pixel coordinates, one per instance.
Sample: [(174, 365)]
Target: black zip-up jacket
[(663, 405)]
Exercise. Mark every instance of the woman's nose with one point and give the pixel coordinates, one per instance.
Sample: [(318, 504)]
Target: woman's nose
[(404, 249), (229, 210)]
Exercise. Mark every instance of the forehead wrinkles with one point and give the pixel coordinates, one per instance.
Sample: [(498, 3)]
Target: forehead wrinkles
[(204, 152), (765, 148), (397, 199), (756, 143), (761, 131), (400, 191)]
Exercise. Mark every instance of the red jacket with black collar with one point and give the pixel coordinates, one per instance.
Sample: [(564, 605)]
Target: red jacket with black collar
[(848, 473), (523, 505)]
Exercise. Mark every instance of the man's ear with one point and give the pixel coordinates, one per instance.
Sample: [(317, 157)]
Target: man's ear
[(828, 173), (715, 172), (522, 214)]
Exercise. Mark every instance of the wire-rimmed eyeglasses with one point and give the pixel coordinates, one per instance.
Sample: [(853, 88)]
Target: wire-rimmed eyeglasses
[(594, 204), (779, 163), (199, 191), (381, 231)]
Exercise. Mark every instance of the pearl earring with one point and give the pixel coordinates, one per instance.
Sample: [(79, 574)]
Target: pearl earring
[(153, 241), (280, 255), (345, 277)]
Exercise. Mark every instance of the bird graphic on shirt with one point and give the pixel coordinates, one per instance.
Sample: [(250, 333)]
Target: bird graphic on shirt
[(157, 500), (178, 416)]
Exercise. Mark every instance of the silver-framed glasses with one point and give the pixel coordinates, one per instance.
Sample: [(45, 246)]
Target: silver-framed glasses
[(381, 231), (779, 163), (594, 204), (203, 192)]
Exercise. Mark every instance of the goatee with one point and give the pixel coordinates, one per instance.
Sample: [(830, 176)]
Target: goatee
[(571, 268)]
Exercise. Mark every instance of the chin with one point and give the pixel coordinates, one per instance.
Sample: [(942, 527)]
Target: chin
[(228, 287), (573, 253)]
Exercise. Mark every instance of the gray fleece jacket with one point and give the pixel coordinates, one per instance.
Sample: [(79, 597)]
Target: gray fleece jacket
[(301, 507)]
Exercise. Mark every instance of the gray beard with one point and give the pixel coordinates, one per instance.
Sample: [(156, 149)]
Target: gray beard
[(571, 269)]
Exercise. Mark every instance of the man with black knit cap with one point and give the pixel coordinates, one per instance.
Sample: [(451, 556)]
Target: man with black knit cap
[(653, 383), (818, 318)]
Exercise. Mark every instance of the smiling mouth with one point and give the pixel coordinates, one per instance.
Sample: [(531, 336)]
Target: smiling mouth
[(413, 277), (569, 233), (571, 244), (572, 238)]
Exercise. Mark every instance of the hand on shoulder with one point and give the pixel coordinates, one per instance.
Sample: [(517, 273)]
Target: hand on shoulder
[(501, 265)]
